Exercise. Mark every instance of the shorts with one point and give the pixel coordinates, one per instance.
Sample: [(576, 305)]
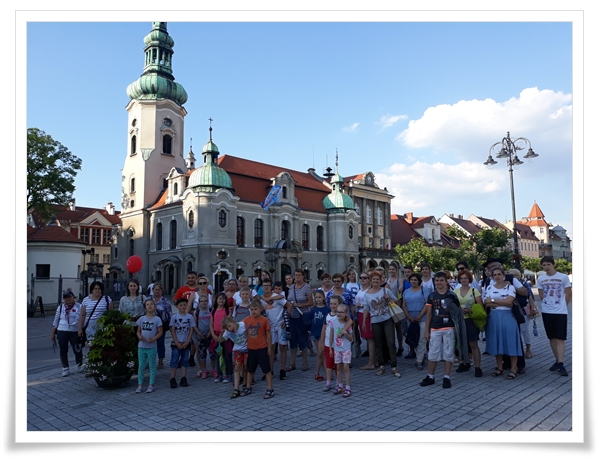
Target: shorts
[(329, 360), (183, 354), (441, 345), (367, 331), (472, 330), (555, 325), (203, 345), (258, 357), (342, 356), (240, 358), (278, 336)]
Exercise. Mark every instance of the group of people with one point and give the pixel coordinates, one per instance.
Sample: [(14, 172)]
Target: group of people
[(229, 334)]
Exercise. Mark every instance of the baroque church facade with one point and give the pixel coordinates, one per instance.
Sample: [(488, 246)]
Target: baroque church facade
[(180, 216)]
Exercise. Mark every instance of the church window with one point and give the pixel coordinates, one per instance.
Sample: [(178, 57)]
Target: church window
[(285, 230), (191, 219), (222, 218), (131, 247), (284, 192), (173, 244), (167, 145), (240, 233), (133, 145), (258, 233), (305, 236), (350, 232), (159, 236), (175, 189), (320, 245), (132, 186)]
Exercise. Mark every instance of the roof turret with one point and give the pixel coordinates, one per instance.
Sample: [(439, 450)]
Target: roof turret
[(337, 201)]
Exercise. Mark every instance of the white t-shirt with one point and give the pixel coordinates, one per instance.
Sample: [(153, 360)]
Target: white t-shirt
[(239, 338), (340, 344), (328, 321), (359, 300), (554, 286), (274, 312)]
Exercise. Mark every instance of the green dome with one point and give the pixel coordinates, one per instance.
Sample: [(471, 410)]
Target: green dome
[(210, 177), (157, 81), (338, 202), (209, 147)]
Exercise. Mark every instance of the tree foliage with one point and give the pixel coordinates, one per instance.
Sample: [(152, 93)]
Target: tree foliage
[(473, 249), (534, 265), (51, 171)]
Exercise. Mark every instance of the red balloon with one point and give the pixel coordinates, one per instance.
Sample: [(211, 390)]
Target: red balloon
[(134, 264)]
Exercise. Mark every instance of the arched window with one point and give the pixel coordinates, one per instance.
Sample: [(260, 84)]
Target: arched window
[(305, 236), (239, 232), (131, 203), (159, 236), (222, 218), (369, 214), (285, 230), (189, 267), (191, 219), (173, 235), (116, 252), (132, 186), (357, 208), (167, 144), (284, 192), (133, 145), (379, 216), (131, 247), (258, 233), (320, 244), (350, 232), (175, 189)]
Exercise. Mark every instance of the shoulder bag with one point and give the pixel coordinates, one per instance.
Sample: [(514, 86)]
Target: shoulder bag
[(81, 340)]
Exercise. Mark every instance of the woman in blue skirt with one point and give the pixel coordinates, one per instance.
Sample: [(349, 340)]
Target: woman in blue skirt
[(502, 333)]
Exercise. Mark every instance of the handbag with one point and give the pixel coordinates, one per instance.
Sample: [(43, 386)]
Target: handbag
[(518, 313), (396, 312), (81, 340)]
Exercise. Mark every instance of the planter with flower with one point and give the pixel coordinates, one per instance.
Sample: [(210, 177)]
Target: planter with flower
[(113, 355)]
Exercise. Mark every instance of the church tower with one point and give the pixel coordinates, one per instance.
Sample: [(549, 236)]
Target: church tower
[(155, 124)]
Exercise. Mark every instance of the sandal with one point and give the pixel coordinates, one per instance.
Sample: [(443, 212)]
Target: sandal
[(198, 374), (338, 390), (396, 373), (381, 371), (304, 367), (528, 355), (270, 393), (419, 366), (347, 392), (497, 372), (318, 377), (245, 391), (511, 375), (235, 394), (293, 367)]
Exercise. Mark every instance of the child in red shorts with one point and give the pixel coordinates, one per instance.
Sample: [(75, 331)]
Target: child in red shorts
[(236, 332), (334, 302)]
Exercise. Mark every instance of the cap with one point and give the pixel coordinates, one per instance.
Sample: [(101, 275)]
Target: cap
[(68, 293)]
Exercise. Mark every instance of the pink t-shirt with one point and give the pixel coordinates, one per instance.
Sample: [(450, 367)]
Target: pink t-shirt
[(217, 319)]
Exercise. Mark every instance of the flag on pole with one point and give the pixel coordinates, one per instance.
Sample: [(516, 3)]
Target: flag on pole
[(272, 197)]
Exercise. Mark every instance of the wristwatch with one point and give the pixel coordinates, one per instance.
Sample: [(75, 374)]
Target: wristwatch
[(492, 300)]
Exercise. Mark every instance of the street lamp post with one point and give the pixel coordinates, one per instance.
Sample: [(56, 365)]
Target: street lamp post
[(507, 149)]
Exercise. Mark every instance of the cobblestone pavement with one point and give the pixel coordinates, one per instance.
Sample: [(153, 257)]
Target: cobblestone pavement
[(539, 400)]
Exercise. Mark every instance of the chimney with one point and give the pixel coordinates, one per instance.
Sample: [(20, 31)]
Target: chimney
[(110, 208), (72, 205), (460, 217), (409, 217), (451, 215)]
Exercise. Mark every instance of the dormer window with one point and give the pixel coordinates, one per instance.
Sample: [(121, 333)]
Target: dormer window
[(284, 192)]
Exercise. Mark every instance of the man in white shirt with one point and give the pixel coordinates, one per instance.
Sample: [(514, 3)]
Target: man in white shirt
[(554, 289)]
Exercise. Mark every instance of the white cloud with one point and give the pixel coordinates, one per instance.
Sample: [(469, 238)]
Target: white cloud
[(388, 120), (350, 128), (469, 127)]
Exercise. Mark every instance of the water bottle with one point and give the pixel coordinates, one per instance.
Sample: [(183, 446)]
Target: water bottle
[(535, 330)]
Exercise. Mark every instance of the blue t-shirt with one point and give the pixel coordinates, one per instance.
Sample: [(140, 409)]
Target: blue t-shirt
[(149, 327), (317, 319), (415, 302)]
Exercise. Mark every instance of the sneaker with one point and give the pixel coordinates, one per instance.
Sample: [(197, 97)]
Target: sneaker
[(282, 375), (65, 371), (447, 384), (139, 390), (411, 355), (555, 367), (478, 372), (228, 379), (183, 382), (428, 381), (562, 370), (463, 367), (327, 388), (521, 371), (173, 383), (150, 389), (218, 378), (80, 368)]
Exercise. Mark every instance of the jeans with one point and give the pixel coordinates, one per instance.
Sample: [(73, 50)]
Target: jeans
[(299, 337), (384, 331), (64, 338), (160, 346), (146, 356)]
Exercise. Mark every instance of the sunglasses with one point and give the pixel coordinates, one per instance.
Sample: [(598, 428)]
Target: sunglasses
[(363, 277), (201, 283), (460, 268)]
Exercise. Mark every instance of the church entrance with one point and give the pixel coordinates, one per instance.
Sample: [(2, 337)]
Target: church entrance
[(285, 270)]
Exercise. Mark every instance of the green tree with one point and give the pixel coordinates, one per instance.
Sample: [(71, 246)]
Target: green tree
[(562, 265), (531, 264), (51, 171), (417, 251)]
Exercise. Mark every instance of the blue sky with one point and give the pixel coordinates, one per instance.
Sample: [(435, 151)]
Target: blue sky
[(417, 103)]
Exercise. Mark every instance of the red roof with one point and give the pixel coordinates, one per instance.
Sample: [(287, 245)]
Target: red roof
[(52, 233), (420, 222), (536, 212), (402, 232), (467, 225), (525, 232)]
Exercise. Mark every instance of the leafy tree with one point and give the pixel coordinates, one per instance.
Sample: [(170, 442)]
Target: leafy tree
[(51, 171), (563, 266), (531, 264), (417, 251)]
